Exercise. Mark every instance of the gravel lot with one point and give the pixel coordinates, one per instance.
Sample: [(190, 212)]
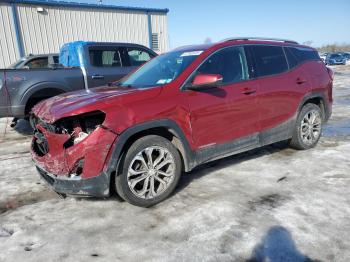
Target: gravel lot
[(270, 204)]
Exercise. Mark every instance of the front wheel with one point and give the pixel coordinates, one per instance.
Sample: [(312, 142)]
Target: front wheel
[(150, 171), (308, 127)]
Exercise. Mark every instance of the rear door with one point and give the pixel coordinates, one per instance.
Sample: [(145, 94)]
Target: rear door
[(105, 65), (228, 112), (281, 85), (311, 64)]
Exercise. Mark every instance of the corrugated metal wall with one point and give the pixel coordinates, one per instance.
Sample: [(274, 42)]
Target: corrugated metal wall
[(45, 32), (8, 43), (160, 27)]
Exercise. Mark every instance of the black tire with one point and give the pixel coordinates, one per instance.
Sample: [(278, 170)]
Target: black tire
[(297, 142), (121, 179)]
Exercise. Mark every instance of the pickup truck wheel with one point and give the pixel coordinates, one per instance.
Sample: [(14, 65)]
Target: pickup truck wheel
[(151, 170), (308, 127)]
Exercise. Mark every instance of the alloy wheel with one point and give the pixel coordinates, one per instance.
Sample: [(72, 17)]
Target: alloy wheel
[(310, 129), (151, 172)]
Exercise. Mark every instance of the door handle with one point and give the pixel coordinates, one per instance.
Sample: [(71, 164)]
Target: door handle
[(300, 81), (248, 91), (97, 77)]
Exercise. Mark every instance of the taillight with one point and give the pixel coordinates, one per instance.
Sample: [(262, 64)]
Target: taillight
[(330, 73)]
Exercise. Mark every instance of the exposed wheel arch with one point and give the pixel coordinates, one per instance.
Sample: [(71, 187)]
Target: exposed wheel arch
[(165, 128), (317, 99)]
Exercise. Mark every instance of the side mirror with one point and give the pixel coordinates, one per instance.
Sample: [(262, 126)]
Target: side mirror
[(202, 81)]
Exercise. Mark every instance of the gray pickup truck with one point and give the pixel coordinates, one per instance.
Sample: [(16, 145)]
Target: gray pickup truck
[(99, 64)]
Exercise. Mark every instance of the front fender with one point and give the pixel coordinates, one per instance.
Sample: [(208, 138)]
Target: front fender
[(172, 126)]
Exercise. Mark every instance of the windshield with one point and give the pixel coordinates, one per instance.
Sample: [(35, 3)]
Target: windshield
[(16, 64), (161, 70), (336, 56)]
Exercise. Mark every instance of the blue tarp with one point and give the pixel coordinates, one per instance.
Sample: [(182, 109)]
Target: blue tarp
[(69, 53)]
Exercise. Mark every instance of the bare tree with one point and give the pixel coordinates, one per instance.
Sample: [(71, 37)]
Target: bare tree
[(334, 48), (207, 40), (308, 43)]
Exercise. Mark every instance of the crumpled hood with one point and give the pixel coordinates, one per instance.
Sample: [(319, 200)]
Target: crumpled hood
[(83, 101)]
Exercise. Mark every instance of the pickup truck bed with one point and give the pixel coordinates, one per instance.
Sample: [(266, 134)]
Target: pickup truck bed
[(23, 86)]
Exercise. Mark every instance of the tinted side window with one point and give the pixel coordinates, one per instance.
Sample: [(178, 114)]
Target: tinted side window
[(230, 63), (105, 58), (37, 63), (55, 59), (269, 60), (292, 60), (138, 57), (304, 54)]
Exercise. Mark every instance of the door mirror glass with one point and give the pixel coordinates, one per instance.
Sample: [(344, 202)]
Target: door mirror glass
[(205, 80)]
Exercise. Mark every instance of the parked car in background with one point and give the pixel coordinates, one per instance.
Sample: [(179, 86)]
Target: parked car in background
[(21, 89), (190, 106), (35, 61), (323, 56), (335, 59)]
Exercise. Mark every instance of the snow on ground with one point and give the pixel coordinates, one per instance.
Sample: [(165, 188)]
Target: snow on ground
[(270, 204)]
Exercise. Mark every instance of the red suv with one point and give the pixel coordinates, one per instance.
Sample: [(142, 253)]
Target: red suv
[(186, 107)]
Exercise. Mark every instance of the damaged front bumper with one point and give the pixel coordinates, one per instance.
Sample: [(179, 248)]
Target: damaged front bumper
[(74, 169), (96, 186)]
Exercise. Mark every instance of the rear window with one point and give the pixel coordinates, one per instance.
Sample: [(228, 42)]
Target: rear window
[(36, 63), (138, 57), (292, 60), (269, 60), (55, 59), (304, 54), (336, 56)]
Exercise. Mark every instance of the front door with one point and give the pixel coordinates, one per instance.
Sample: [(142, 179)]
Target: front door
[(229, 112)]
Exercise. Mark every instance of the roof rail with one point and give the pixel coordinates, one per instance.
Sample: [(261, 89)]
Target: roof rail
[(260, 38)]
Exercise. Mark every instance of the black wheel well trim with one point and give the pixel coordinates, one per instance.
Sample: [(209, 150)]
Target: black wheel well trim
[(32, 90), (53, 92), (317, 95), (118, 149)]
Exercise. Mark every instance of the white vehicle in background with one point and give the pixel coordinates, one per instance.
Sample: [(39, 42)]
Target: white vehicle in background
[(323, 56), (347, 56)]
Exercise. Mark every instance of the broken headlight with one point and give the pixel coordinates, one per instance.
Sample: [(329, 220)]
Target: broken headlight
[(79, 126)]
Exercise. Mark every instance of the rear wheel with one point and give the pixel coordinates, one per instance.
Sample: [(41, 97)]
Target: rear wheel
[(150, 171), (308, 127)]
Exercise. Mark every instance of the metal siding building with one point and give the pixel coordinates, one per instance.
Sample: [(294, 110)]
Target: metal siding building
[(34, 27)]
